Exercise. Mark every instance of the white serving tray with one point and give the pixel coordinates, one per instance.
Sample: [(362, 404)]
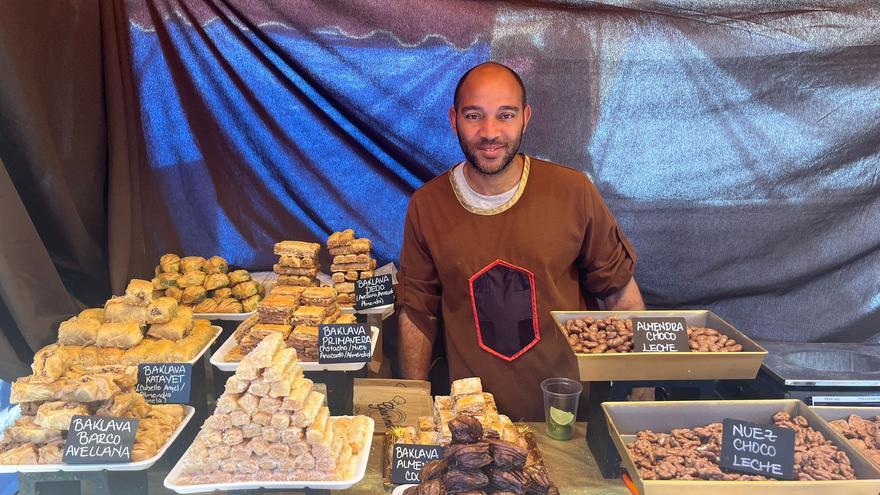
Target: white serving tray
[(224, 316), (401, 488), (122, 466), (359, 471), (217, 332), (217, 359)]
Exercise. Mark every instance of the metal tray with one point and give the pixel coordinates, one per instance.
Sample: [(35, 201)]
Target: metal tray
[(625, 419), (218, 358), (655, 366), (224, 316), (359, 471), (113, 466)]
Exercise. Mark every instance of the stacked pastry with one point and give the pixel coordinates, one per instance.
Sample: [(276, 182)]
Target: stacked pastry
[(206, 285), (351, 261), (133, 328), (271, 425), (57, 391), (469, 399), (294, 312), (297, 263)]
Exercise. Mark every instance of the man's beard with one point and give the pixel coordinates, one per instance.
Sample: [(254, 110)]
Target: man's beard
[(471, 153)]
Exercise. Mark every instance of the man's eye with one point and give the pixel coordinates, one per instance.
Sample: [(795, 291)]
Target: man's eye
[(471, 116), (506, 116)]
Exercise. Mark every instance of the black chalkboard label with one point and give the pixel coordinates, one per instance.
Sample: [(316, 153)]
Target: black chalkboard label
[(660, 335), (407, 461), (165, 383), (344, 343), (757, 449), (99, 440), (373, 292)]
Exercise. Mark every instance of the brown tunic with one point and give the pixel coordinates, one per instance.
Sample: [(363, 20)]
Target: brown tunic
[(556, 229)]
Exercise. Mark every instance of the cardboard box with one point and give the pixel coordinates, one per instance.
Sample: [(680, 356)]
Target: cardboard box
[(625, 419), (393, 402)]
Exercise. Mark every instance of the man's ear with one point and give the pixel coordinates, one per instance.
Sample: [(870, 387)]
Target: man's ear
[(527, 114), (452, 119)]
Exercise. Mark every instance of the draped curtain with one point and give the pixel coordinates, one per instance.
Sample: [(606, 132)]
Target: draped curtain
[(737, 143)]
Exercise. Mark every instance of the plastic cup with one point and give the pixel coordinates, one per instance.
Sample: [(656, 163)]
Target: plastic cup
[(560, 406)]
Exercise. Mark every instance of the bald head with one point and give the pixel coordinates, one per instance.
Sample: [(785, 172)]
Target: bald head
[(488, 72)]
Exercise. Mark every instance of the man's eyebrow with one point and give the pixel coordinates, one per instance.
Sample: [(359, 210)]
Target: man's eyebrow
[(511, 108), (470, 107)]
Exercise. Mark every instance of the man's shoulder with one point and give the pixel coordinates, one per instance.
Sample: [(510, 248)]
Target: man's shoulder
[(437, 187), (557, 174)]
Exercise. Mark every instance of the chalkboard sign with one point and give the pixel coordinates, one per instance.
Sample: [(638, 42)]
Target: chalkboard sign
[(373, 292), (344, 343), (757, 449), (407, 461), (660, 335), (165, 383), (99, 440)]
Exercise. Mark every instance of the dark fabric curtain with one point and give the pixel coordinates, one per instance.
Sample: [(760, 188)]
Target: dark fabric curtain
[(737, 143)]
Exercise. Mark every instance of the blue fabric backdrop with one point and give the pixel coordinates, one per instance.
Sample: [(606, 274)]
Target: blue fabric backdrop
[(738, 144)]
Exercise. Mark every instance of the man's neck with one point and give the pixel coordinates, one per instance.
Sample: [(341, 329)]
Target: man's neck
[(491, 185)]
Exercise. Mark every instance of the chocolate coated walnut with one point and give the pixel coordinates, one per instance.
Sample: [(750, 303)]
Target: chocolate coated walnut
[(507, 455), (863, 433), (468, 455), (433, 487), (433, 470), (613, 335), (507, 481), (465, 429), (459, 480)]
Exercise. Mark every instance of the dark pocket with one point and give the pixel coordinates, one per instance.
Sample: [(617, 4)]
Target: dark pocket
[(503, 298)]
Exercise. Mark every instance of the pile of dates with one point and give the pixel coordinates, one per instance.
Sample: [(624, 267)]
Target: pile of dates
[(474, 465), (695, 453), (612, 335), (863, 433)]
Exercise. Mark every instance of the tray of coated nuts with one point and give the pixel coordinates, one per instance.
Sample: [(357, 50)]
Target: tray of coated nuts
[(859, 425), (603, 344), (675, 448), (473, 463)]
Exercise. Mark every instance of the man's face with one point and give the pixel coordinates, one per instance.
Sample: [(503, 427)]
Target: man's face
[(490, 119)]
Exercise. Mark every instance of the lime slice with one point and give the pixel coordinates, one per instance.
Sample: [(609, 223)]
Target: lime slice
[(560, 417)]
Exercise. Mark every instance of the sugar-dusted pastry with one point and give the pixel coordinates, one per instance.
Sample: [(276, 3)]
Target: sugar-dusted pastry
[(264, 354), (306, 415), (169, 263), (78, 331), (298, 395), (297, 248), (318, 296), (192, 264), (315, 432), (466, 386), (216, 281), (281, 365), (175, 329), (139, 292)]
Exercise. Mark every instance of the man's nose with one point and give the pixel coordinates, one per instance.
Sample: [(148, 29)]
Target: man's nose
[(489, 129)]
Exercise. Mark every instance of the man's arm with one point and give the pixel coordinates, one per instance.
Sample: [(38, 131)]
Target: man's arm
[(628, 298), (414, 348)]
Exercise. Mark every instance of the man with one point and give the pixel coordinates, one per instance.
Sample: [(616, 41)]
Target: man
[(495, 244)]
